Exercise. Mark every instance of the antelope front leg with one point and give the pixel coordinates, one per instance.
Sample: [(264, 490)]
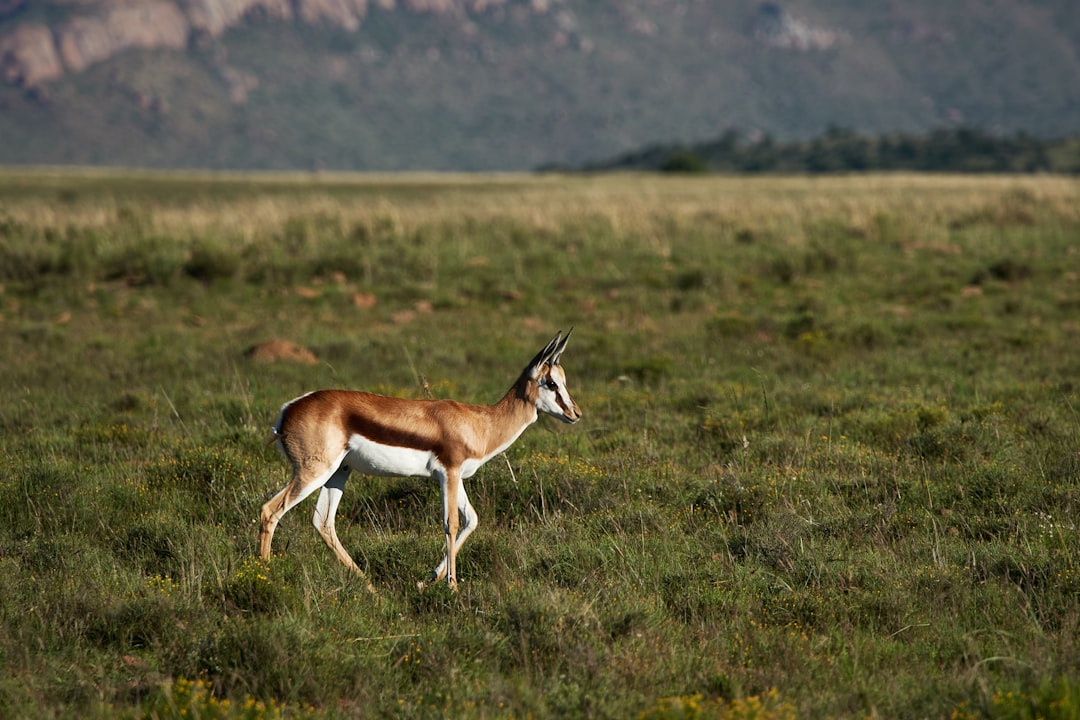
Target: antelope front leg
[(450, 524), (450, 484), (469, 520)]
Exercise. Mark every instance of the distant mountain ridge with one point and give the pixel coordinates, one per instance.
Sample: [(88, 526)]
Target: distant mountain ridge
[(508, 84)]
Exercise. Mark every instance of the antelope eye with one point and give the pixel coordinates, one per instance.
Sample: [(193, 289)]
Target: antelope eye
[(551, 384)]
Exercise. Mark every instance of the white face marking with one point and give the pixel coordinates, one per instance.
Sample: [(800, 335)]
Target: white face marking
[(554, 399), (372, 458)]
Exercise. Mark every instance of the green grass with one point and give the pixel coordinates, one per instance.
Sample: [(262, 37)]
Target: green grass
[(828, 465)]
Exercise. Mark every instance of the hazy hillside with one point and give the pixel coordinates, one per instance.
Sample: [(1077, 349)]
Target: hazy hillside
[(499, 84)]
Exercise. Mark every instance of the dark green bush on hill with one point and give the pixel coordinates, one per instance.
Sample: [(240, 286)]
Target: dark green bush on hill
[(962, 150)]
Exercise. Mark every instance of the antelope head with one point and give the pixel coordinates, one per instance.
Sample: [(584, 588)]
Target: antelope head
[(552, 396)]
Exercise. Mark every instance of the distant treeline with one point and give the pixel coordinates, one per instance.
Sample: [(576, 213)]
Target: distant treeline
[(838, 150)]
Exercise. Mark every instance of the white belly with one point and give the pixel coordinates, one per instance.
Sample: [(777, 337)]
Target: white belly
[(371, 458)]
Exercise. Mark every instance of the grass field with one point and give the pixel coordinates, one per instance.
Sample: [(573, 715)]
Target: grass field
[(829, 464)]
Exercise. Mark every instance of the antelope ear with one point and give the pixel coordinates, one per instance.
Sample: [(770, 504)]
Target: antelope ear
[(559, 350), (545, 355)]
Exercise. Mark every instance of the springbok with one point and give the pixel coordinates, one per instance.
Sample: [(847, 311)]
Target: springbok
[(328, 433)]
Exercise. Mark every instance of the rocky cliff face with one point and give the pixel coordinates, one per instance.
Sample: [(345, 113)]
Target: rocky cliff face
[(29, 56), (348, 14), (33, 53), (214, 17), (88, 39)]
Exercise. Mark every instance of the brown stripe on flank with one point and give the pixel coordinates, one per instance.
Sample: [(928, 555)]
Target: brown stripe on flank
[(370, 428), (452, 431)]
